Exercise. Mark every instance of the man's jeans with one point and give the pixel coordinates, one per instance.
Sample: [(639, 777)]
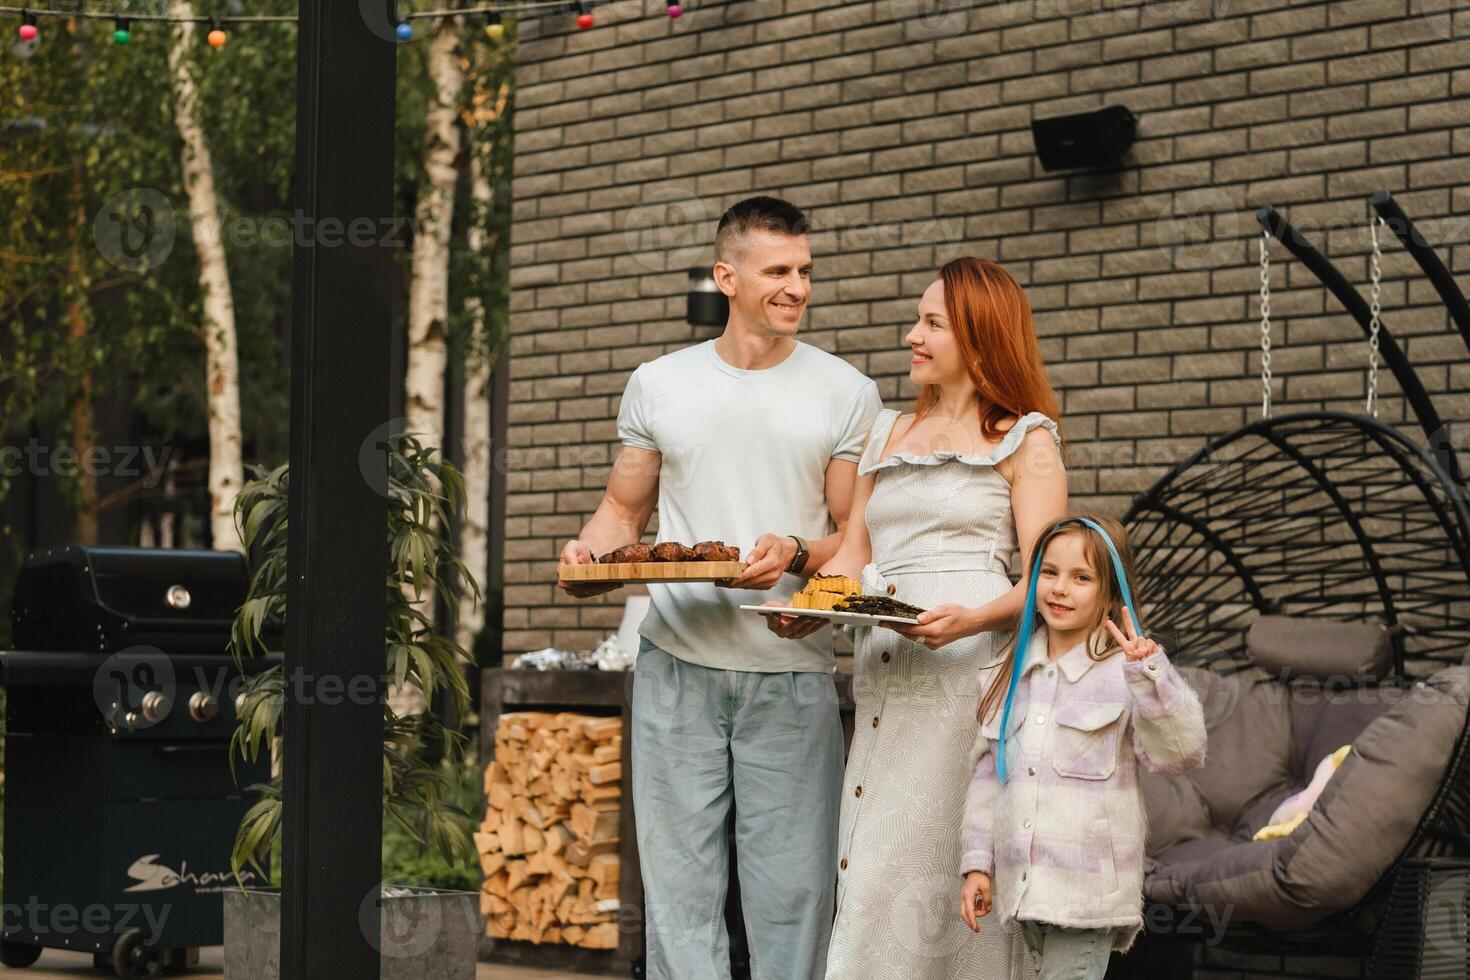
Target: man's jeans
[(771, 743)]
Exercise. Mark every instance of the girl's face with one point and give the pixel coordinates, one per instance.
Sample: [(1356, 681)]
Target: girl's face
[(1067, 588), (935, 356)]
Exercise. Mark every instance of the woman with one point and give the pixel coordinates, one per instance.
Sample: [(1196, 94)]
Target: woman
[(943, 497)]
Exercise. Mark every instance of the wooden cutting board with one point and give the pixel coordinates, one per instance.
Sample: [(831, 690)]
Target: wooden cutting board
[(652, 571)]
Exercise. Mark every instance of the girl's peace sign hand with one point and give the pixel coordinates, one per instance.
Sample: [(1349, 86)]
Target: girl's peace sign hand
[(1134, 647)]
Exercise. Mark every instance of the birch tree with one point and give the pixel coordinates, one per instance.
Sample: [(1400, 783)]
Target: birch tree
[(483, 116), (222, 372)]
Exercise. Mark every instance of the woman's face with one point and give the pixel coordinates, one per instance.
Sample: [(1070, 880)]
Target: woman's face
[(936, 357), (1067, 590)]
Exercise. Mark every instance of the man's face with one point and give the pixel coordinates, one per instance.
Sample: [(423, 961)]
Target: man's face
[(768, 280)]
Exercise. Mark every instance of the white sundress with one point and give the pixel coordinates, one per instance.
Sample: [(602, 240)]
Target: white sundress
[(942, 531)]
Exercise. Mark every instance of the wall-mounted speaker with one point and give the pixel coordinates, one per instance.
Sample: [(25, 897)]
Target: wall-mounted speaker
[(1085, 140), (707, 306)]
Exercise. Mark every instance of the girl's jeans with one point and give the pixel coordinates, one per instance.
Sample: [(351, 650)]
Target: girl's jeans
[(1068, 954)]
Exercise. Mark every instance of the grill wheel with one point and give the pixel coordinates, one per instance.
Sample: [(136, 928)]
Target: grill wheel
[(134, 957), (18, 954)]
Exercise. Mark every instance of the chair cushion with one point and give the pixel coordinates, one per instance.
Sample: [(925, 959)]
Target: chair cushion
[(1358, 828), (1323, 649)]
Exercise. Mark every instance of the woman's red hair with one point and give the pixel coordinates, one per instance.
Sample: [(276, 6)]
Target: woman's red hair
[(996, 335)]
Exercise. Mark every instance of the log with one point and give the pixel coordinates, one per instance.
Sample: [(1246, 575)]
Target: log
[(548, 840)]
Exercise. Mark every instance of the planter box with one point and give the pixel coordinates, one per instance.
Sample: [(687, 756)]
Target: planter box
[(431, 934)]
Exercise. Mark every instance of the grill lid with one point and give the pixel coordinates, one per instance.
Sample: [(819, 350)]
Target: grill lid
[(85, 598)]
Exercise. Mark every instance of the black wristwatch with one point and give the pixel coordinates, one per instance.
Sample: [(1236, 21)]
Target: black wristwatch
[(798, 562)]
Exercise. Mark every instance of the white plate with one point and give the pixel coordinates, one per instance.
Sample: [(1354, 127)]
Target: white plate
[(840, 618)]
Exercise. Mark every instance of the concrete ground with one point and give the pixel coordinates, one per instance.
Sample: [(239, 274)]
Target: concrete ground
[(59, 965)]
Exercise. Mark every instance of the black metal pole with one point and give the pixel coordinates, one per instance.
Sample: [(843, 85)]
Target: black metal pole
[(337, 546), (1329, 275), (1439, 276)]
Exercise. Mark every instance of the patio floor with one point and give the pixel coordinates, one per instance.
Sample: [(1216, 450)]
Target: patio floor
[(60, 964)]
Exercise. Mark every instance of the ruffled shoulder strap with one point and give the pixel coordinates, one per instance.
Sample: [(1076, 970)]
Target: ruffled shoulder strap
[(1009, 444), (877, 439), (1017, 432)]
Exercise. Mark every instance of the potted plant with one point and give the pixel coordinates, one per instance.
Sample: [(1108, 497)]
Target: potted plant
[(424, 931)]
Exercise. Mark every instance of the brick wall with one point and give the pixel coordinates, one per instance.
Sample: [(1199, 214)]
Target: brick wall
[(903, 128)]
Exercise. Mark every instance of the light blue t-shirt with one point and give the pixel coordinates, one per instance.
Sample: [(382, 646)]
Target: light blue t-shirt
[(743, 453)]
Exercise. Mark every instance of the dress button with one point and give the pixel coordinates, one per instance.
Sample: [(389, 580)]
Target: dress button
[(875, 721), (843, 865), (1049, 671), (1041, 719), (886, 657), (858, 791), (1030, 770), (1026, 825)]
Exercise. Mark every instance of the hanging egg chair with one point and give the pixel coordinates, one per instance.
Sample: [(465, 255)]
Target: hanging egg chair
[(1316, 514), (1332, 516)]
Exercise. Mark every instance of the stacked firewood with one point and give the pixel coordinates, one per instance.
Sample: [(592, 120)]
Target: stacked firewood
[(549, 841)]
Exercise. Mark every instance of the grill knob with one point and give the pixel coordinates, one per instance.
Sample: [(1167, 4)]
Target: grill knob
[(203, 706), (156, 706), (177, 597), (131, 719)]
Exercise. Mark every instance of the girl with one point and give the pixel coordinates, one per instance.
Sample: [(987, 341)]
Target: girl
[(1053, 815)]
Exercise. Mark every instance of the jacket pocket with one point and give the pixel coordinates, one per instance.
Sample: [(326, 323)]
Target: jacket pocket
[(1085, 745)]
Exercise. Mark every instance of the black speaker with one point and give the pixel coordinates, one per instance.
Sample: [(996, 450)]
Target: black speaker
[(1085, 140), (707, 306)]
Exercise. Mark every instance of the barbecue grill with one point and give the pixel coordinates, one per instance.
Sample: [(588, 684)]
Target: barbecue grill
[(120, 808)]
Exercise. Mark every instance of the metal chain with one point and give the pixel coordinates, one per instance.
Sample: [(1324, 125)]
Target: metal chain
[(1375, 274), (1265, 325)]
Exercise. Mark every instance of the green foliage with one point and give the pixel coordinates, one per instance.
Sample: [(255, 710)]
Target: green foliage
[(406, 861), (422, 801)]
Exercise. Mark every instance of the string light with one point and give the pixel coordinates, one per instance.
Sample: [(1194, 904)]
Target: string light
[(217, 36)]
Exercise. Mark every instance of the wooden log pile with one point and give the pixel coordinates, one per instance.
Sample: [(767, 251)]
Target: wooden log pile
[(549, 841)]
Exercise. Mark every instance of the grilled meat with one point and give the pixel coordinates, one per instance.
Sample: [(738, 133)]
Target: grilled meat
[(629, 553), (716, 551), (673, 551)]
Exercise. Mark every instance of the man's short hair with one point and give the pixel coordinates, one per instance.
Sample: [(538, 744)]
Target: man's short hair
[(757, 214)]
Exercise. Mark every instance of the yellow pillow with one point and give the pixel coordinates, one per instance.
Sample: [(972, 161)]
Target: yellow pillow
[(1294, 809)]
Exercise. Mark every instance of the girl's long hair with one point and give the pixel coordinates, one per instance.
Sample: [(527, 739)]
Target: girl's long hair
[(1100, 644), (996, 335)]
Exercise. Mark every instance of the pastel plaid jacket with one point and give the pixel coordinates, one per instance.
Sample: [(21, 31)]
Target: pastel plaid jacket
[(1063, 839)]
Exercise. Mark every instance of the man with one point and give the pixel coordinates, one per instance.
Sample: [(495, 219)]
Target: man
[(752, 438)]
